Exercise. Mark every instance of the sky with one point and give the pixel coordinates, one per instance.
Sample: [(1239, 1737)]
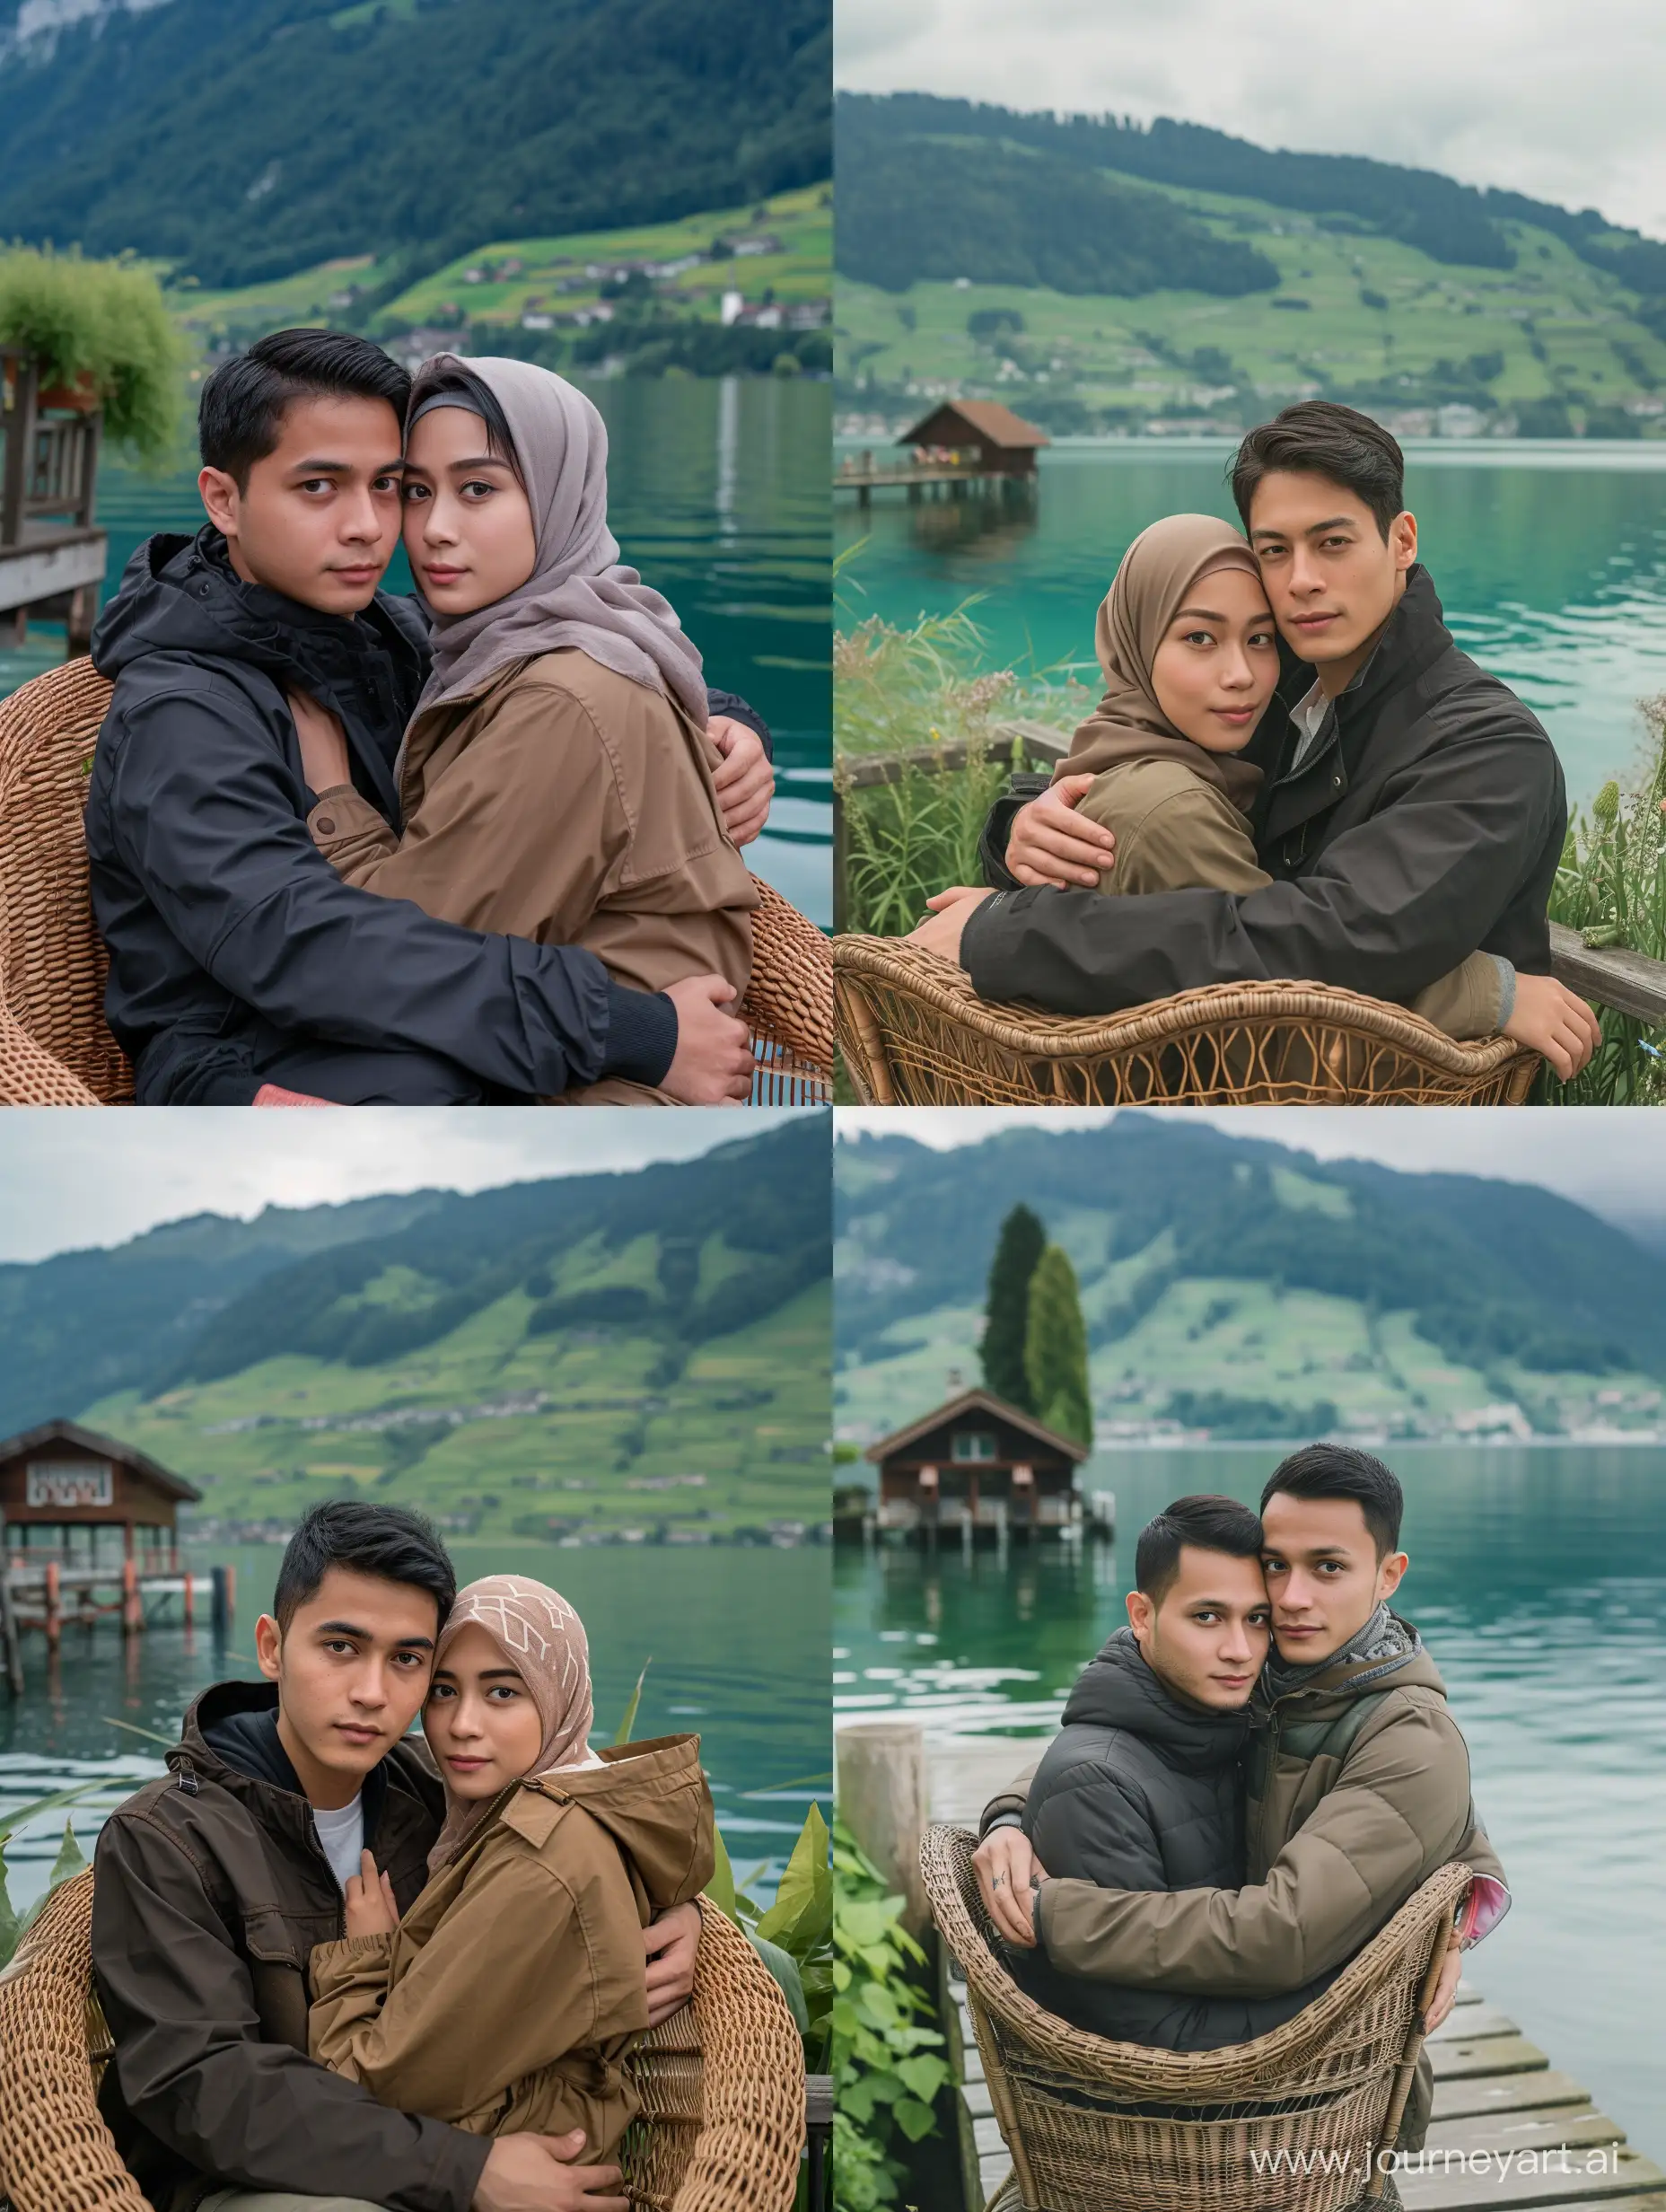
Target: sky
[(1609, 1159), (1535, 96), (68, 1180)]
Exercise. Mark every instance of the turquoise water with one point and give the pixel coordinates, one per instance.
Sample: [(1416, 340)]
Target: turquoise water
[(738, 1640), (718, 493), (1538, 1580), (1550, 560)]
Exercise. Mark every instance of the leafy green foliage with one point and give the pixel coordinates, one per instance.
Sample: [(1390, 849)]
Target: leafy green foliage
[(888, 2065), (1225, 1413), (1056, 1348), (105, 321), (1017, 1254), (15, 1926)]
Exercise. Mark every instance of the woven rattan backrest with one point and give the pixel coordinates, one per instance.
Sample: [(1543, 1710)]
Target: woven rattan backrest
[(789, 1005)]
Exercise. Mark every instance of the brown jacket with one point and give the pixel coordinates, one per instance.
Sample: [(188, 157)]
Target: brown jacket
[(1175, 831), (515, 1984), (564, 803)]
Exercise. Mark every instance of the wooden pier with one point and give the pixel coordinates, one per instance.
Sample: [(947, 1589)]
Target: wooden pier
[(52, 554), (921, 480), (1503, 2113), (49, 1596)]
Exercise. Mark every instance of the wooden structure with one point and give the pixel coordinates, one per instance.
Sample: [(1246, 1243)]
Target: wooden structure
[(978, 1468), (52, 558), (960, 442)]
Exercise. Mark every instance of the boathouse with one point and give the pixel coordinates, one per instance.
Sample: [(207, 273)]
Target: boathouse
[(978, 1466), (52, 554), (981, 434), (78, 1500)]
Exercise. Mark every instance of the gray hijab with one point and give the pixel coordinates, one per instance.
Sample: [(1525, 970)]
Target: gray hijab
[(578, 593)]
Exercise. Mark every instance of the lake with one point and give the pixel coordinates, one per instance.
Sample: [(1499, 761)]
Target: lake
[(1539, 1580), (718, 493), (737, 1636), (1549, 557)]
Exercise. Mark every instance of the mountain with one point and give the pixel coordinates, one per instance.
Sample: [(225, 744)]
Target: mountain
[(1099, 274), (516, 1361), (1237, 1285), (243, 143)]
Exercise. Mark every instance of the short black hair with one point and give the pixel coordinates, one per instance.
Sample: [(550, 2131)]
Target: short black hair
[(390, 1542), (449, 377), (239, 418), (1343, 1471), (1321, 438), (1208, 1523)]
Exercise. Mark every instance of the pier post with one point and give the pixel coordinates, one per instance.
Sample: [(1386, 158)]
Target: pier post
[(883, 1799), (224, 1598), (10, 1655), (131, 1604), (190, 1595), (54, 1608)]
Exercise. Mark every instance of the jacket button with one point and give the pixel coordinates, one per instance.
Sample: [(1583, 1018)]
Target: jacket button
[(1336, 781), (325, 828)]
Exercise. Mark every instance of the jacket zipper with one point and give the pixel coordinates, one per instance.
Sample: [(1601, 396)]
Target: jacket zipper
[(1266, 1789)]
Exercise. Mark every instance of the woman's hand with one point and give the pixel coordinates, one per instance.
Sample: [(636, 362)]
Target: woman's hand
[(671, 1942), (1446, 1989), (1050, 843), (1555, 1021), (951, 910), (371, 1908), (746, 782), (323, 744)]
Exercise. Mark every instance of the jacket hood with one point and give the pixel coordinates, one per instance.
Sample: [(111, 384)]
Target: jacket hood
[(1119, 1689), (652, 1800), (181, 594)]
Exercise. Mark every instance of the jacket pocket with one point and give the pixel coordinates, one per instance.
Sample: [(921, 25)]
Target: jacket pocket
[(277, 1973)]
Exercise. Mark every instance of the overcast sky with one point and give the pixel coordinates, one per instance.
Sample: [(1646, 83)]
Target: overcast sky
[(71, 1179), (1609, 1159), (1562, 102)]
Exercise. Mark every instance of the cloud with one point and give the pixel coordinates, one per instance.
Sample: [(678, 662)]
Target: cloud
[(68, 1180), (1560, 102)]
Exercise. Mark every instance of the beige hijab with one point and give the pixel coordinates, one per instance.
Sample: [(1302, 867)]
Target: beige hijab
[(578, 593), (543, 1640), (1158, 571)]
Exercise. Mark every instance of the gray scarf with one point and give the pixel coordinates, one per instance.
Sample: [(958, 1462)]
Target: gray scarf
[(1385, 1639), (578, 594)]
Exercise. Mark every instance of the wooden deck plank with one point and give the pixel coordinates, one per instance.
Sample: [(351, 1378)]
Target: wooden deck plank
[(1491, 2054), (1623, 2172), (1472, 2023), (1457, 2098), (1570, 2127)]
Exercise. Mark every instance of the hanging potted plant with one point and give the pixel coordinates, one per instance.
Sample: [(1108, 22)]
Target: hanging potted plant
[(103, 339)]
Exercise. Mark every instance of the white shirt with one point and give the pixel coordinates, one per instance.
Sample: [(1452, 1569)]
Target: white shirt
[(342, 1835)]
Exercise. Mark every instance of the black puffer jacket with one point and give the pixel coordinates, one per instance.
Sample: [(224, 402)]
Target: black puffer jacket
[(1426, 823), (1139, 1791)]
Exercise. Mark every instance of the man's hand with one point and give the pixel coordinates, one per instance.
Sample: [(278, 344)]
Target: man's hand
[(712, 1063), (746, 782), (671, 1944), (1050, 843), (1446, 1988), (950, 912), (323, 744), (1008, 1871), (1556, 1021), (371, 1908), (535, 2173)]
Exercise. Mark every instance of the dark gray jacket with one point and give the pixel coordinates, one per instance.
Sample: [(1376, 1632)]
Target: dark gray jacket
[(1426, 823), (1140, 1791)]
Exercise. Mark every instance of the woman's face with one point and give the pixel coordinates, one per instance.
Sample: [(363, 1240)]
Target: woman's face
[(481, 1724), (467, 525), (1218, 662)]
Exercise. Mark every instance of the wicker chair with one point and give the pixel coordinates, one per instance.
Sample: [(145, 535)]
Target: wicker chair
[(914, 1033), (721, 2083), (1096, 2126), (55, 1049)]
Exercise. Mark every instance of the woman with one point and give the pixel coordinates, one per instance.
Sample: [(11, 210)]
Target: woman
[(557, 780), (507, 1998)]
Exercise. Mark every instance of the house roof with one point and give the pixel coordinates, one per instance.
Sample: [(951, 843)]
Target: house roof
[(107, 1447), (989, 417), (978, 1402)]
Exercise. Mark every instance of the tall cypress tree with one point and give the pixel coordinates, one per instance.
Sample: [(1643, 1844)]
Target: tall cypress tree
[(1055, 1350), (1007, 1309)]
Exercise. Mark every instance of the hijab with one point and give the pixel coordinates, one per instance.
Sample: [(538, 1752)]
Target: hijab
[(578, 594), (543, 1640), (1158, 571)]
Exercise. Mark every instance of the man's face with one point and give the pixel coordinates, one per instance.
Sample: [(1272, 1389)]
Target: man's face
[(1323, 1574), (320, 516), (352, 1670), (1207, 1636), (1330, 580)]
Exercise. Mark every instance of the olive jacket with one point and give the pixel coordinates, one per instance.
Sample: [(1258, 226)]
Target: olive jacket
[(514, 1985)]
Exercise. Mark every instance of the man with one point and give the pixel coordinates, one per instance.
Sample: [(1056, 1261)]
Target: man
[(1414, 809), (1357, 1783), (213, 1885), (238, 960), (1142, 1787)]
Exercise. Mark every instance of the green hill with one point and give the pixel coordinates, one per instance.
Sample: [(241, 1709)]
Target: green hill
[(1225, 280), (603, 1353), (1234, 1284)]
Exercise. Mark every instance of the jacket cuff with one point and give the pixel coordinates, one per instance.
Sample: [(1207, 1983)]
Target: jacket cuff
[(642, 1035), (341, 815), (732, 704)]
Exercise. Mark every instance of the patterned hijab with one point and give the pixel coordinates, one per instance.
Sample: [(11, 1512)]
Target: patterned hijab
[(543, 1640)]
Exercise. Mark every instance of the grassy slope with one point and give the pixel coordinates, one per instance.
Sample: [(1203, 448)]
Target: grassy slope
[(1092, 347)]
